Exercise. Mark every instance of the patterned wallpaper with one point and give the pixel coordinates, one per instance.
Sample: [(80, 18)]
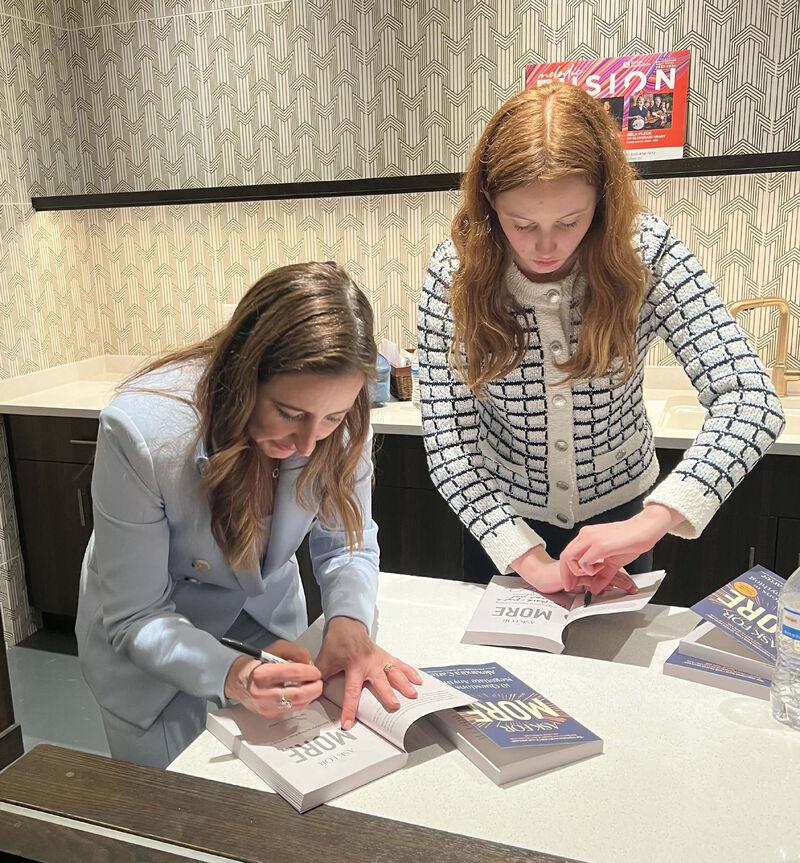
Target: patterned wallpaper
[(141, 94)]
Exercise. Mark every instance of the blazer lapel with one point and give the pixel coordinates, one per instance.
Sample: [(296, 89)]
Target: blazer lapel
[(289, 521)]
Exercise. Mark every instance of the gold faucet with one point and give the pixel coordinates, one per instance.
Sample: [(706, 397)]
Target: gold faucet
[(779, 373)]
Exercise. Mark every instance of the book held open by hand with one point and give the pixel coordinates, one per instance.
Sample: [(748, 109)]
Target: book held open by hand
[(308, 759), (511, 613)]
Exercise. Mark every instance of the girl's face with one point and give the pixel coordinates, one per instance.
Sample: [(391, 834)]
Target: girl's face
[(294, 410), (544, 223)]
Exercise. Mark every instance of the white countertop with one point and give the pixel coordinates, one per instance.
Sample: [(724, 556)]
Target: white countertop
[(82, 389), (690, 773)]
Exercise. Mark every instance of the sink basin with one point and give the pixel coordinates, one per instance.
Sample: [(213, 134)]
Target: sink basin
[(681, 413)]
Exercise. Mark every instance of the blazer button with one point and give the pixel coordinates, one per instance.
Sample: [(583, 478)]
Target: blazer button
[(191, 579), (201, 565)]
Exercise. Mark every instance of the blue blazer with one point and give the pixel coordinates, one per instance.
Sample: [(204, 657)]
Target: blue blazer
[(157, 592)]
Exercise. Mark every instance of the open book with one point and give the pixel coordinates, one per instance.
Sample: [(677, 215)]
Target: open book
[(511, 613), (308, 759), (510, 731), (740, 621)]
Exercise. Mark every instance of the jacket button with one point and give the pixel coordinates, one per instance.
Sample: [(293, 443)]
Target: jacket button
[(620, 455), (191, 579), (562, 518), (562, 445), (562, 485), (201, 565)]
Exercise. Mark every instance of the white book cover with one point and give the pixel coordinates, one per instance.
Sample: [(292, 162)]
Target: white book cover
[(709, 643), (511, 613), (307, 757)]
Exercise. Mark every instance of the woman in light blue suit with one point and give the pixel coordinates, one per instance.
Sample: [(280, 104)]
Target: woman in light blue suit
[(212, 465)]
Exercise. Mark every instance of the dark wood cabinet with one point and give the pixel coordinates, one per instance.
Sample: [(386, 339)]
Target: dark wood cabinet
[(55, 513), (51, 460), (51, 466), (418, 532)]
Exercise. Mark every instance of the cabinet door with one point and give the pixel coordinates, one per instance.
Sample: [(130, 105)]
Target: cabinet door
[(787, 546), (738, 536), (417, 532), (55, 521)]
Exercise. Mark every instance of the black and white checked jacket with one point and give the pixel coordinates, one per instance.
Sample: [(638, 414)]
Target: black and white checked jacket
[(533, 447)]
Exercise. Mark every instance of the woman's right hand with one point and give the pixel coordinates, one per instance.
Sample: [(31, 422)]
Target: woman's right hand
[(549, 575), (259, 686)]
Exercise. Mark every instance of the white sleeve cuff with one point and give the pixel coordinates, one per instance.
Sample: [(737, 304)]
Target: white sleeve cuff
[(689, 498), (508, 542)]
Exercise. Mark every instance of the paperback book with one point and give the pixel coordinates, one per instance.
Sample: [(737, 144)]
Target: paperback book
[(713, 674), (307, 757), (739, 624), (510, 731), (511, 613)]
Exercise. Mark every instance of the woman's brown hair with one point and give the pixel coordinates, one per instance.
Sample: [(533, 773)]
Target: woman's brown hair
[(546, 133), (298, 318)]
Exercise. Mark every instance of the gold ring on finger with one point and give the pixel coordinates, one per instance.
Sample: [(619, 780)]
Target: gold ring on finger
[(387, 668)]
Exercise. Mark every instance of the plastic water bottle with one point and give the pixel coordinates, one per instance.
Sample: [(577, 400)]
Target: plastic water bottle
[(785, 693)]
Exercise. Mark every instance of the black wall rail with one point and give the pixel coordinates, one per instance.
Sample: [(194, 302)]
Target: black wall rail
[(707, 166)]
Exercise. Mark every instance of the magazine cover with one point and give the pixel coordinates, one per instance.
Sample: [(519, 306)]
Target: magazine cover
[(644, 93)]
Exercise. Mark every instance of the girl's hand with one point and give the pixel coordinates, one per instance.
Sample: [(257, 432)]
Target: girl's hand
[(260, 686), (548, 575), (599, 551)]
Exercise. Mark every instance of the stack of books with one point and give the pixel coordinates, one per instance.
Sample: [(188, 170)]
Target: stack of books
[(734, 647)]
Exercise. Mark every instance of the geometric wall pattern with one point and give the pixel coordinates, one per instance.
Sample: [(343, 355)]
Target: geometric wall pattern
[(141, 94)]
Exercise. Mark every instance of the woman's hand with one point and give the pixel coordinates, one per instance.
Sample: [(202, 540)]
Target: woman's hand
[(548, 575), (347, 647), (260, 686), (539, 570), (599, 551)]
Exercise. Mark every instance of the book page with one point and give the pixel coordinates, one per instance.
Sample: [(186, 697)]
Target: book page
[(616, 600), (431, 696)]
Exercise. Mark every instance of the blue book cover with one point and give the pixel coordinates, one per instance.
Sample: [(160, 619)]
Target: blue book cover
[(679, 660), (508, 711), (747, 610)]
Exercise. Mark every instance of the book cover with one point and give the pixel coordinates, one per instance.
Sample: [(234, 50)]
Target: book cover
[(714, 674), (746, 609), (646, 94), (509, 712), (511, 613)]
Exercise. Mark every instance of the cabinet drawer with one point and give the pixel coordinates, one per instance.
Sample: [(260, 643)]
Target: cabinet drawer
[(65, 439)]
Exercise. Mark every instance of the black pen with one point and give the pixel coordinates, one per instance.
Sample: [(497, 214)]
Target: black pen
[(251, 650), (587, 598)]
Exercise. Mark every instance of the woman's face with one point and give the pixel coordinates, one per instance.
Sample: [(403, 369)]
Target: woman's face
[(294, 410), (544, 223)]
